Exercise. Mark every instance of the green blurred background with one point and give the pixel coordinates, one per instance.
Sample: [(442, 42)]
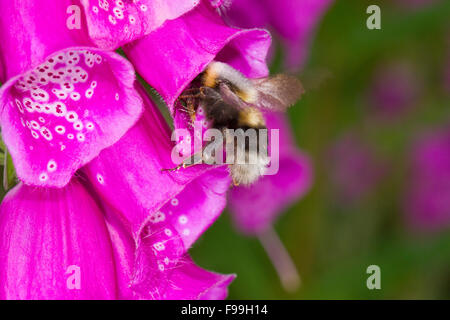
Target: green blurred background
[(333, 242)]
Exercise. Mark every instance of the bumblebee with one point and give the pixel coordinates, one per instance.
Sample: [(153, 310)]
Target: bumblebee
[(232, 101)]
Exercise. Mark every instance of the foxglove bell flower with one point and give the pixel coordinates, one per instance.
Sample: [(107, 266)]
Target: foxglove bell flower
[(50, 236), (64, 102), (293, 21), (112, 23), (427, 200)]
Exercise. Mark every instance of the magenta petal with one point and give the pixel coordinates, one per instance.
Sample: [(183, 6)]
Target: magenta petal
[(135, 162), (164, 271), (115, 22), (61, 114), (254, 208), (356, 170), (189, 43), (293, 21), (124, 253), (46, 235)]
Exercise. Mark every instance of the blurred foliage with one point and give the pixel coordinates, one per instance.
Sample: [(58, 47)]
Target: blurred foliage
[(332, 244)]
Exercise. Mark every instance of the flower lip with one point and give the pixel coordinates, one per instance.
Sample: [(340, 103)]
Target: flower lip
[(59, 115)]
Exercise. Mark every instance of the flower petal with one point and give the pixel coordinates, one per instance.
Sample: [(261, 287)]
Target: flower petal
[(61, 114), (356, 169), (254, 208), (189, 43), (293, 20), (135, 164), (116, 22), (47, 239), (248, 13)]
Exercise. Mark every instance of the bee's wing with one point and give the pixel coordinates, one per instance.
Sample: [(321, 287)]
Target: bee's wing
[(277, 93), (231, 98)]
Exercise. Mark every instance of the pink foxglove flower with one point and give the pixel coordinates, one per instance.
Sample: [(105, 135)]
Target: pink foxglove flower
[(293, 21), (189, 199), (63, 104), (355, 170), (427, 201)]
